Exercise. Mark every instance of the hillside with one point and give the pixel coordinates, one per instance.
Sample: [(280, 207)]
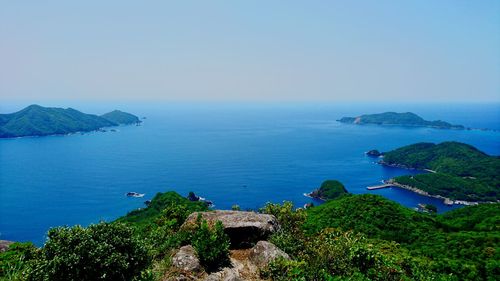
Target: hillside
[(120, 117), (464, 242), (365, 236), (462, 172), (400, 119), (36, 120)]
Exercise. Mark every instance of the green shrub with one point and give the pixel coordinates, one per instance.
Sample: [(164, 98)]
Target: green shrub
[(290, 236), (285, 270), (99, 252), (14, 260), (211, 245)]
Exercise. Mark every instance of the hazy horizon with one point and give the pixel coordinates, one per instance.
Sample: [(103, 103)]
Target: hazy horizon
[(259, 51)]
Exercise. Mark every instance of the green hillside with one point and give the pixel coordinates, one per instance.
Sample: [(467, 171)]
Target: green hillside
[(462, 171), (463, 242), (120, 117), (36, 120)]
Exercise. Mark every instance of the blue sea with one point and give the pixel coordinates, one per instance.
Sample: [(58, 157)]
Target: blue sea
[(245, 154)]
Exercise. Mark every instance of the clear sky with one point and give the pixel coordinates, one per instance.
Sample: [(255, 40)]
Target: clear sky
[(425, 50)]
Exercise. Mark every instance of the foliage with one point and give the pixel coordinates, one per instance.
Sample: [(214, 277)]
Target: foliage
[(463, 172), (289, 236), (99, 252), (14, 260), (145, 217), (330, 189), (463, 243), (453, 187), (158, 224), (334, 254), (211, 245), (370, 214), (236, 208)]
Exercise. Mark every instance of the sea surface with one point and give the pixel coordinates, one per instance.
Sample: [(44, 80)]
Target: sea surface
[(245, 154)]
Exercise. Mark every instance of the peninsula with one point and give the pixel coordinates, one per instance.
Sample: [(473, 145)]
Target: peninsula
[(36, 120), (458, 171), (398, 119)]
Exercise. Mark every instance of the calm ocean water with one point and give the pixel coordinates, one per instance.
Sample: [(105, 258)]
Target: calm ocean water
[(230, 154)]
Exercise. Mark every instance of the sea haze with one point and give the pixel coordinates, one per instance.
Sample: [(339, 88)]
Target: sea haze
[(230, 154)]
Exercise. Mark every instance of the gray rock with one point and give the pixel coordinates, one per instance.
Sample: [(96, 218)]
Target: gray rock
[(4, 245), (243, 228), (232, 273), (264, 252), (187, 260)]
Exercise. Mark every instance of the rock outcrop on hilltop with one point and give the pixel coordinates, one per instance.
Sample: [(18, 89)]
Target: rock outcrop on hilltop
[(249, 252), (243, 228)]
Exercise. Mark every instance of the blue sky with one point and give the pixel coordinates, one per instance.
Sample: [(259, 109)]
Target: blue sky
[(380, 50)]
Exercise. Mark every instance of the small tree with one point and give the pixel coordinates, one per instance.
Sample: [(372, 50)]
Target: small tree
[(211, 245)]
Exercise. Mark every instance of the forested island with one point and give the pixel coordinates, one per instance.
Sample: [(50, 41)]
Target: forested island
[(398, 119), (352, 237), (36, 120), (329, 189), (458, 171)]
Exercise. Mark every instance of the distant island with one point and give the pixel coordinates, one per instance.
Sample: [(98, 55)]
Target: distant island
[(399, 119), (458, 171), (329, 189), (36, 120)]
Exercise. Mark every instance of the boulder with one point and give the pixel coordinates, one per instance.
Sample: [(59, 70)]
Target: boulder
[(4, 245), (186, 259), (243, 228), (264, 252)]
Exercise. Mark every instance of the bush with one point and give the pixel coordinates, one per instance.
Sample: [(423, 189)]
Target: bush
[(290, 236), (211, 245), (14, 260), (99, 252)]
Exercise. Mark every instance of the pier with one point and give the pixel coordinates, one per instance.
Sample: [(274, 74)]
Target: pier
[(374, 187)]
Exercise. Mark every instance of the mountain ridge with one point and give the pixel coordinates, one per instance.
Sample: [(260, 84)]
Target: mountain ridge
[(36, 120)]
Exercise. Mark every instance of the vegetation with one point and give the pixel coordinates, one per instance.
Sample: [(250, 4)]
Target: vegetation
[(99, 252), (353, 237), (337, 254), (402, 119), (211, 245), (36, 120), (462, 244), (462, 171), (329, 189)]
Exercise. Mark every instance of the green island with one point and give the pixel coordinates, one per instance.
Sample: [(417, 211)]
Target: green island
[(352, 237), (329, 189), (408, 119), (36, 120), (458, 171)]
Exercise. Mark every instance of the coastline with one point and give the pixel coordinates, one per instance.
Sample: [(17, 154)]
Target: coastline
[(309, 195), (98, 130), (446, 200)]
